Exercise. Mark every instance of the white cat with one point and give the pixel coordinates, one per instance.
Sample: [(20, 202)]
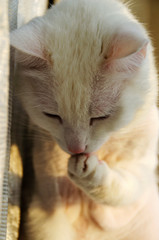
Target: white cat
[(87, 77)]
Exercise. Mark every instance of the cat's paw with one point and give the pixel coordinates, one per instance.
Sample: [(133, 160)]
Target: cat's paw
[(86, 170)]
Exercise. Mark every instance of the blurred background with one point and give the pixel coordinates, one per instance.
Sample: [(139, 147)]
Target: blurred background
[(147, 12)]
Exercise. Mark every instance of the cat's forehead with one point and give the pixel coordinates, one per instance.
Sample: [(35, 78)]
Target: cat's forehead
[(80, 89), (73, 95), (74, 44), (75, 64), (84, 96), (75, 54)]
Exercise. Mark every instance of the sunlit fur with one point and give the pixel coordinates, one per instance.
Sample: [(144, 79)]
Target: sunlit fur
[(83, 60)]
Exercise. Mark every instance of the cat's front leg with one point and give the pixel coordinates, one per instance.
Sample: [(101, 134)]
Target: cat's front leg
[(117, 186)]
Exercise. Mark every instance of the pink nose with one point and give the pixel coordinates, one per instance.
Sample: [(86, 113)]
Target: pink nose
[(76, 150)]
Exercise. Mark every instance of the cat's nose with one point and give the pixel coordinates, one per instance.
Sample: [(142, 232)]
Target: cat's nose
[(76, 150)]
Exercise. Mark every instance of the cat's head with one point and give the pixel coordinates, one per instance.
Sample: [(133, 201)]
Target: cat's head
[(82, 79)]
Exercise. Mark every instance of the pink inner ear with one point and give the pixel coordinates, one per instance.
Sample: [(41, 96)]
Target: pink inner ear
[(143, 50), (125, 58), (28, 39), (125, 42), (121, 46)]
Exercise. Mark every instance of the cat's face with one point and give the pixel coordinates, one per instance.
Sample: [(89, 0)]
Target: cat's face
[(85, 84), (79, 109)]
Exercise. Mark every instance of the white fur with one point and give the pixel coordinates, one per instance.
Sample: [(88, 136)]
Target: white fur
[(81, 61)]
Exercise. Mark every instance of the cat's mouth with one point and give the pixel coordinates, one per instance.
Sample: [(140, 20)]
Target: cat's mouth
[(86, 152), (76, 151), (73, 149)]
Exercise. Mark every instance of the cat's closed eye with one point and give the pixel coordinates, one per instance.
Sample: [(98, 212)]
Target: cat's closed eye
[(92, 120), (54, 116)]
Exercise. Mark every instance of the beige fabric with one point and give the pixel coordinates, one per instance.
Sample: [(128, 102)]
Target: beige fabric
[(29, 9), (4, 90), (16, 12)]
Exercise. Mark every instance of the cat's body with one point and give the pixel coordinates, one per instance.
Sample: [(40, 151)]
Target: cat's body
[(73, 215), (89, 80)]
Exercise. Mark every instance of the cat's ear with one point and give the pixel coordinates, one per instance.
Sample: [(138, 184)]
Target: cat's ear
[(27, 39), (126, 52)]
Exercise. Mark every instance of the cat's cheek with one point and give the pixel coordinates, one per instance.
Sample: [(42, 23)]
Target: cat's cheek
[(54, 129), (96, 140), (62, 145), (93, 147)]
